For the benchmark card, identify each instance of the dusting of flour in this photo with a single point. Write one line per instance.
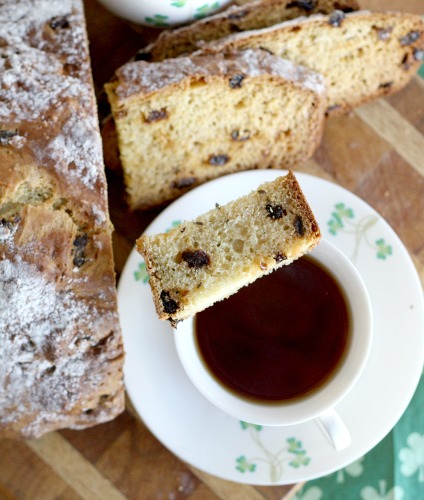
(59, 335)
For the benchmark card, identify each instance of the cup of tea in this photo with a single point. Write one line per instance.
(162, 13)
(287, 348)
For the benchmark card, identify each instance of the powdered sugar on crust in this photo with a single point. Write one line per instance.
(44, 71)
(46, 375)
(61, 348)
(141, 77)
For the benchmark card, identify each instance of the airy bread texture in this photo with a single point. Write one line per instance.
(61, 352)
(184, 121)
(207, 259)
(249, 16)
(362, 55)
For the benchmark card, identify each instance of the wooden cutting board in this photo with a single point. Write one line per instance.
(376, 151)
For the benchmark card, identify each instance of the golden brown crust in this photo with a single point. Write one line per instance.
(242, 17)
(61, 345)
(362, 55)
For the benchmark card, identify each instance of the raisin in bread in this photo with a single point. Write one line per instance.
(183, 121)
(207, 259)
(362, 55)
(255, 15)
(61, 350)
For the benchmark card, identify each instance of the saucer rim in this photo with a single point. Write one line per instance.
(344, 458)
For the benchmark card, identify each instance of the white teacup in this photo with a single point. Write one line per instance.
(162, 13)
(318, 404)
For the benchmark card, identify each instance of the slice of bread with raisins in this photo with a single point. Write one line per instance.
(183, 121)
(244, 16)
(362, 55)
(211, 257)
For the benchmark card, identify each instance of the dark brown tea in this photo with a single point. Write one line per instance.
(280, 337)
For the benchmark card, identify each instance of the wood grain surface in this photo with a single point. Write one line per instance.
(376, 151)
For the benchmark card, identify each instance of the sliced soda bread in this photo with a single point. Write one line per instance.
(362, 55)
(184, 121)
(207, 259)
(247, 16)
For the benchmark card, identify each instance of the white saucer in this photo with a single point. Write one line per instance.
(203, 436)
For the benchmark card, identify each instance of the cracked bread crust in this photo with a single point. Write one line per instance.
(208, 259)
(61, 348)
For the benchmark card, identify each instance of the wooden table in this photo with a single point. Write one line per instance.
(377, 152)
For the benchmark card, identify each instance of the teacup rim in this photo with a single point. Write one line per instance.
(323, 398)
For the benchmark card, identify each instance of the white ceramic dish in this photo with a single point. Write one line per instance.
(163, 13)
(197, 432)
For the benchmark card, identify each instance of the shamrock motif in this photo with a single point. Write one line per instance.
(246, 425)
(300, 458)
(354, 469)
(412, 457)
(244, 465)
(179, 3)
(157, 20)
(342, 221)
(291, 453)
(141, 273)
(383, 249)
(370, 493)
(338, 217)
(312, 493)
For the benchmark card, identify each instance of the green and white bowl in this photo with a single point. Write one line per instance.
(163, 13)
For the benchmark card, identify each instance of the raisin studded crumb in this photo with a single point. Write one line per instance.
(306, 5)
(298, 225)
(156, 115)
(236, 81)
(218, 160)
(6, 135)
(80, 243)
(240, 135)
(170, 306)
(196, 259)
(275, 211)
(59, 22)
(410, 38)
(336, 18)
(383, 34)
(183, 183)
(280, 257)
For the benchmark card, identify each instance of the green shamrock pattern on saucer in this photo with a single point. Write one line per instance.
(343, 220)
(291, 453)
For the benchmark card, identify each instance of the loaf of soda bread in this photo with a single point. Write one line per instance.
(207, 259)
(61, 354)
(183, 121)
(249, 16)
(362, 55)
